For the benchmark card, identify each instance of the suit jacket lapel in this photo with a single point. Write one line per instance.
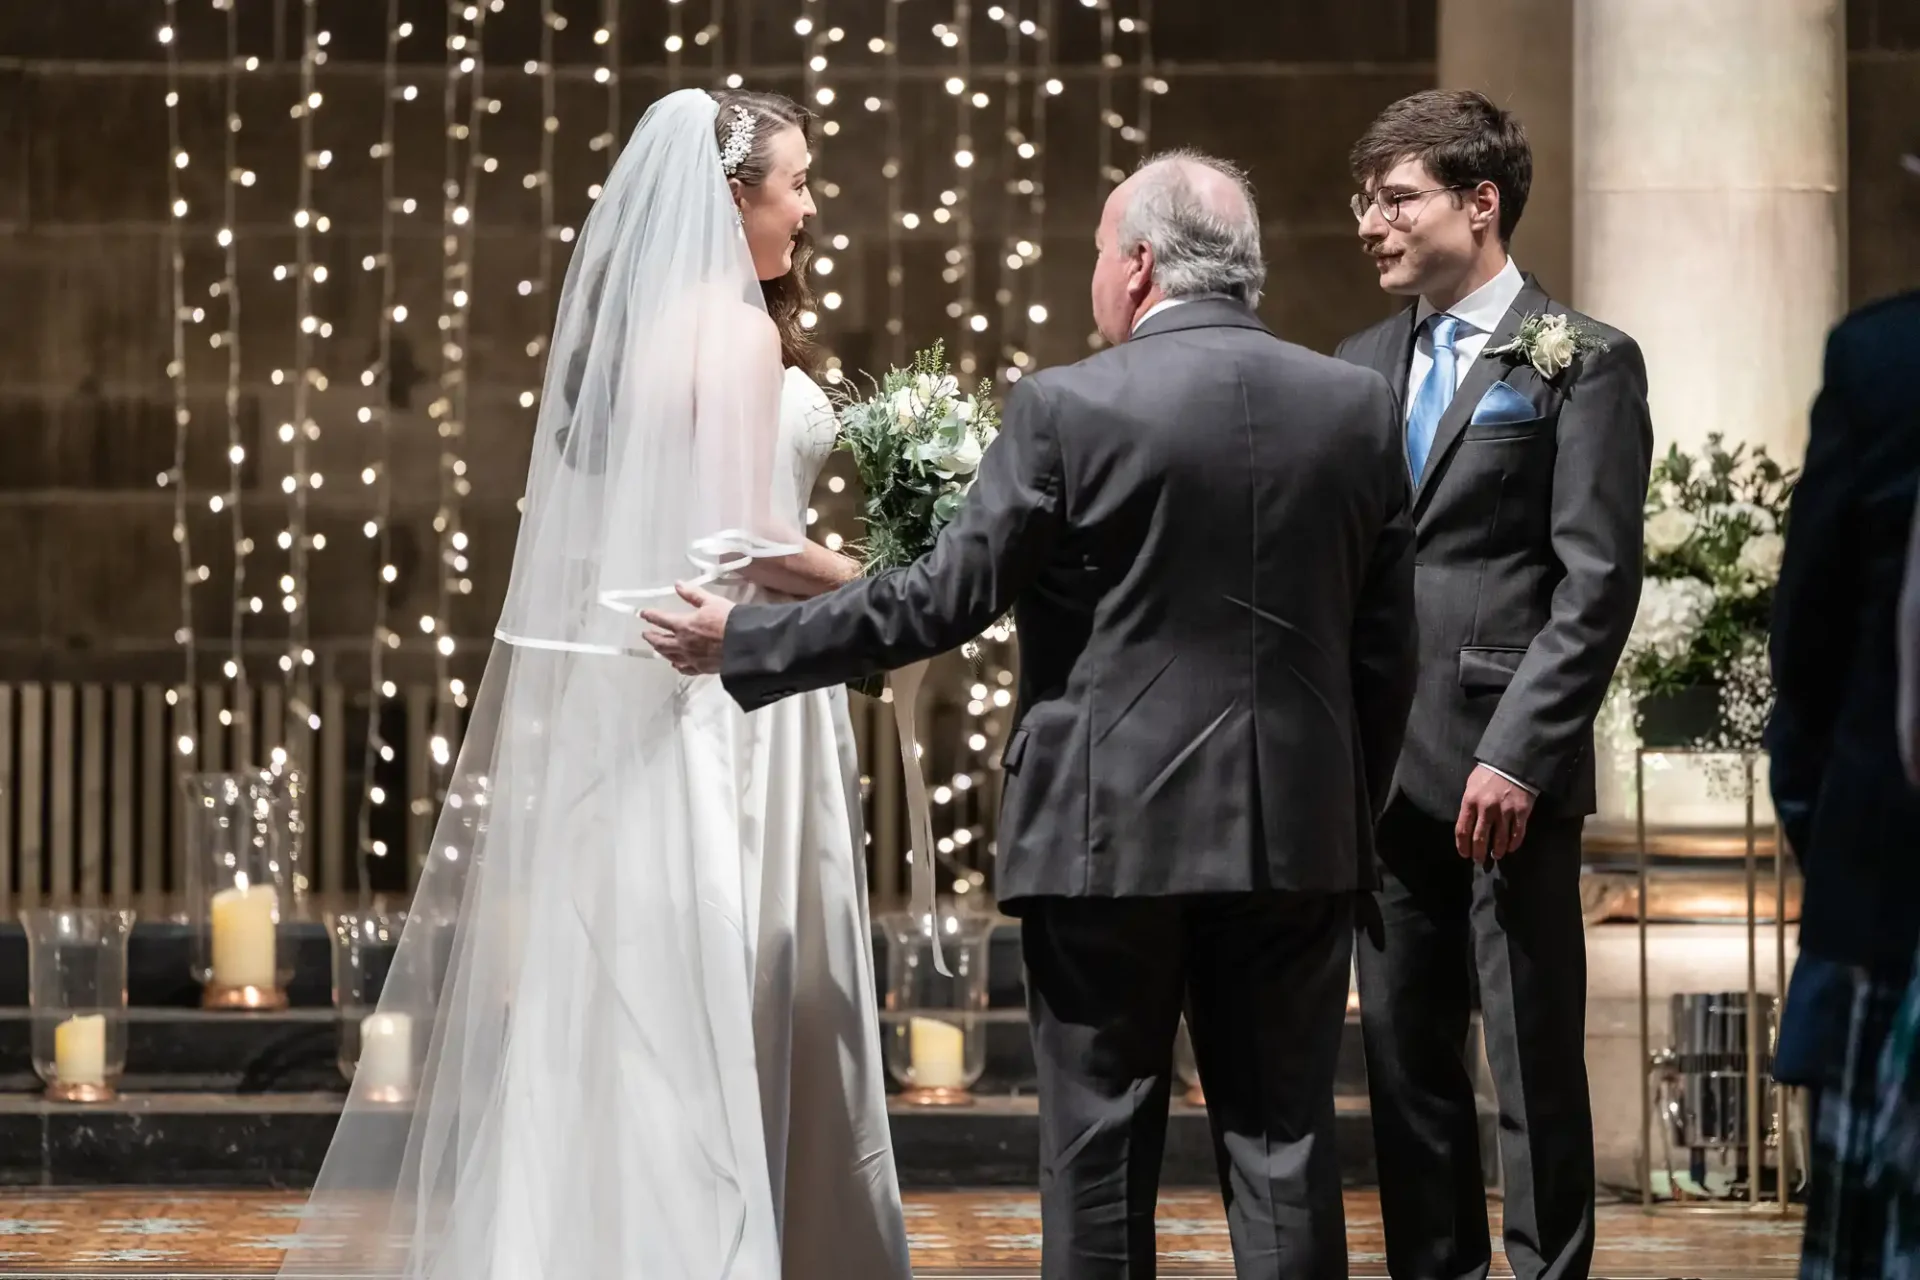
(1484, 373)
(1392, 356)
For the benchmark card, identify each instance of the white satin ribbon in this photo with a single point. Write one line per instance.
(923, 893)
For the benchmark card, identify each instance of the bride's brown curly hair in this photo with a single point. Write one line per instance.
(790, 295)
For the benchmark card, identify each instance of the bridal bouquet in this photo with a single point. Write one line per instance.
(1715, 531)
(916, 444)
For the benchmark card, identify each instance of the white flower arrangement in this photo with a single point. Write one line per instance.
(1715, 535)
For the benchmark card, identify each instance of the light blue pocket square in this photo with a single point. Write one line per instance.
(1501, 405)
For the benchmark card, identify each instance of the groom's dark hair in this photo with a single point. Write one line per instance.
(1462, 138)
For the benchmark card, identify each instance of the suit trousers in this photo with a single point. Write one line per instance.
(1263, 978)
(1437, 921)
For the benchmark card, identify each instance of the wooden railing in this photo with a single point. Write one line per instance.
(90, 790)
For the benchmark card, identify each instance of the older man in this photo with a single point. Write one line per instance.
(1203, 534)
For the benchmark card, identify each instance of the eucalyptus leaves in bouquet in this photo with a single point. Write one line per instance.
(1715, 534)
(916, 444)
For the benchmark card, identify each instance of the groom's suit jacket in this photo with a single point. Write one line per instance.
(1528, 565)
(1203, 536)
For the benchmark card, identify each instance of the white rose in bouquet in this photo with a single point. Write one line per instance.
(931, 391)
(905, 407)
(963, 458)
(1761, 556)
(1671, 610)
(1667, 531)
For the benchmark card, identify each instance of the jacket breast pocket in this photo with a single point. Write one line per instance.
(1522, 432)
(1488, 670)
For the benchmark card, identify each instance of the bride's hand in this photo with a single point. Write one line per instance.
(812, 571)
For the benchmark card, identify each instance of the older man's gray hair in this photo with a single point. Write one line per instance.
(1197, 214)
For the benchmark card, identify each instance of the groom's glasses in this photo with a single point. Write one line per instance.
(1389, 202)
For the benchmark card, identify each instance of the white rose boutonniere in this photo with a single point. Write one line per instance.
(1549, 343)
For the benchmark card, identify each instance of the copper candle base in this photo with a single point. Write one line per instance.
(390, 1096)
(1196, 1097)
(942, 1096)
(216, 996)
(58, 1092)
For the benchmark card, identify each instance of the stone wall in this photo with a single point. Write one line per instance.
(86, 410)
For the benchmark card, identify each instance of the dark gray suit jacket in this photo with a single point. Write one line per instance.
(1203, 535)
(1528, 565)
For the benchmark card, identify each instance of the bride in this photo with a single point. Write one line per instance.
(637, 970)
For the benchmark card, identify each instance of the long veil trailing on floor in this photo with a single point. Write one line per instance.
(574, 975)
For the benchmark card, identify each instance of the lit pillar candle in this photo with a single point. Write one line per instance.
(938, 1052)
(80, 1050)
(243, 937)
(386, 1053)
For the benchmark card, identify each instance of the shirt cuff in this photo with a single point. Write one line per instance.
(1510, 778)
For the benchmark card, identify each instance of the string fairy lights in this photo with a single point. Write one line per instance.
(540, 182)
(817, 39)
(1025, 198)
(239, 709)
(988, 243)
(181, 698)
(607, 37)
(302, 430)
(891, 170)
(957, 201)
(462, 114)
(378, 476)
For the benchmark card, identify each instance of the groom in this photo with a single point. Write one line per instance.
(1203, 534)
(1529, 478)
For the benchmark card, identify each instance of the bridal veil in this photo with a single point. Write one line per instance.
(572, 970)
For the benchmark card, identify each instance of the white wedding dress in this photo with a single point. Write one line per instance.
(634, 990)
(790, 991)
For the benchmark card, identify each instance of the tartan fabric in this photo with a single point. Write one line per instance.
(1857, 1230)
(1895, 1168)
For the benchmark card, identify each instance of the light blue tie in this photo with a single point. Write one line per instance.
(1435, 394)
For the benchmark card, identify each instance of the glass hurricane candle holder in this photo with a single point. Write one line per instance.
(379, 1051)
(77, 999)
(240, 888)
(935, 1026)
(294, 799)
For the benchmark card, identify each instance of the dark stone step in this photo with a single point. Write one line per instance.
(215, 1140)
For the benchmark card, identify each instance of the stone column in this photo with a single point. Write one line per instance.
(1520, 54)
(1709, 138)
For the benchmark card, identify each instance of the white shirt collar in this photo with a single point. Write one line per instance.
(1484, 308)
(1165, 304)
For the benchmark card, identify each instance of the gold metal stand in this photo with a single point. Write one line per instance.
(1782, 1109)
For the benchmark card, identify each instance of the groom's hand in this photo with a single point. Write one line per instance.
(691, 641)
(1493, 816)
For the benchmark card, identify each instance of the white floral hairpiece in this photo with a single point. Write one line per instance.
(739, 141)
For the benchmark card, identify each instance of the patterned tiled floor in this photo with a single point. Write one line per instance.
(954, 1234)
